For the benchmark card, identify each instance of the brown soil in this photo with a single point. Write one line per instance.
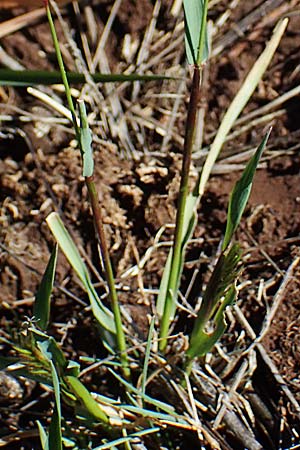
(137, 163)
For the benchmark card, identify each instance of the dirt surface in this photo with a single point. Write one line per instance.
(138, 135)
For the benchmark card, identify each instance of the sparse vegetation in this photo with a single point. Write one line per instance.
(153, 388)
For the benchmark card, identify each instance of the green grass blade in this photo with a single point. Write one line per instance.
(101, 313)
(157, 403)
(241, 192)
(84, 396)
(41, 309)
(23, 78)
(240, 100)
(43, 436)
(175, 418)
(63, 73)
(30, 374)
(147, 356)
(85, 142)
(125, 439)
(162, 294)
(55, 432)
(196, 42)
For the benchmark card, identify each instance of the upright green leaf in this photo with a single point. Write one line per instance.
(196, 42)
(41, 309)
(62, 69)
(43, 436)
(147, 356)
(240, 193)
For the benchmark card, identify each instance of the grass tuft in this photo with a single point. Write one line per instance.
(187, 396)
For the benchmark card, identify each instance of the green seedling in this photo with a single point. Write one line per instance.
(188, 202)
(39, 356)
(220, 291)
(127, 439)
(196, 41)
(84, 141)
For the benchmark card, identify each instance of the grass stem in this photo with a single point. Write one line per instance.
(62, 70)
(97, 216)
(183, 193)
(98, 222)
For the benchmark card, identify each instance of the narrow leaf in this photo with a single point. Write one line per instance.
(55, 433)
(41, 309)
(126, 439)
(63, 73)
(101, 313)
(84, 396)
(43, 436)
(169, 409)
(35, 375)
(241, 192)
(196, 42)
(240, 100)
(57, 356)
(85, 142)
(147, 356)
(10, 77)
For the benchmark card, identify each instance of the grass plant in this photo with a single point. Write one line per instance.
(188, 202)
(196, 45)
(40, 357)
(84, 140)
